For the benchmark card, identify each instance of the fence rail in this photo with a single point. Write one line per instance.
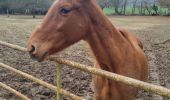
(118, 78)
(47, 85)
(14, 91)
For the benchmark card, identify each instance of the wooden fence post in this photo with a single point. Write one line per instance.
(59, 83)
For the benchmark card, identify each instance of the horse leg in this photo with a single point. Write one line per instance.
(101, 88)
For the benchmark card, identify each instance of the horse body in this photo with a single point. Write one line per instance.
(130, 61)
(116, 50)
(121, 54)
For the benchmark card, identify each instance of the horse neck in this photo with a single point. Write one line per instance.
(108, 47)
(107, 43)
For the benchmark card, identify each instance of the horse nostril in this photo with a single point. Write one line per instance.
(33, 49)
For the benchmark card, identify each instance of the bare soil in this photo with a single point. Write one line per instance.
(153, 31)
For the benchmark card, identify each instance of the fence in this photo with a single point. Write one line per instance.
(118, 78)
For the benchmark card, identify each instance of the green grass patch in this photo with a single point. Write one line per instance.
(109, 11)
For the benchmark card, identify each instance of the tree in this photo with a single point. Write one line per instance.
(148, 7)
(141, 7)
(103, 3)
(25, 6)
(117, 4)
(124, 6)
(134, 6)
(155, 8)
(165, 4)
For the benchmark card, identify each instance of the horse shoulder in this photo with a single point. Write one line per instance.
(131, 38)
(138, 46)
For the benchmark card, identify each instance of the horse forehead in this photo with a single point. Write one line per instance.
(57, 1)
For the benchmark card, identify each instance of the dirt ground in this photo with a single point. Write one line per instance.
(153, 31)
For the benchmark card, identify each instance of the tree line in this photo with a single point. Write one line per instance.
(27, 7)
(137, 7)
(118, 7)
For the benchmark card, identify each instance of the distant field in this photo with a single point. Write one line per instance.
(22, 26)
(17, 30)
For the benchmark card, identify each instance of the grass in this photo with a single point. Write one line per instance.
(15, 27)
(108, 11)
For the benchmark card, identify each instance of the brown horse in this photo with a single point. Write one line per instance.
(116, 50)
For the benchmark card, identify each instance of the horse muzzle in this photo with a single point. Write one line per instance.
(33, 51)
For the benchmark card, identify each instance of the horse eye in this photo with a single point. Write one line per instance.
(65, 10)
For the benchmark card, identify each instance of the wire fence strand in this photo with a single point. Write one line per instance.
(59, 96)
(52, 87)
(14, 91)
(16, 47)
(118, 78)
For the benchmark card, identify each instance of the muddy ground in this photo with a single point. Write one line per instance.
(153, 31)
